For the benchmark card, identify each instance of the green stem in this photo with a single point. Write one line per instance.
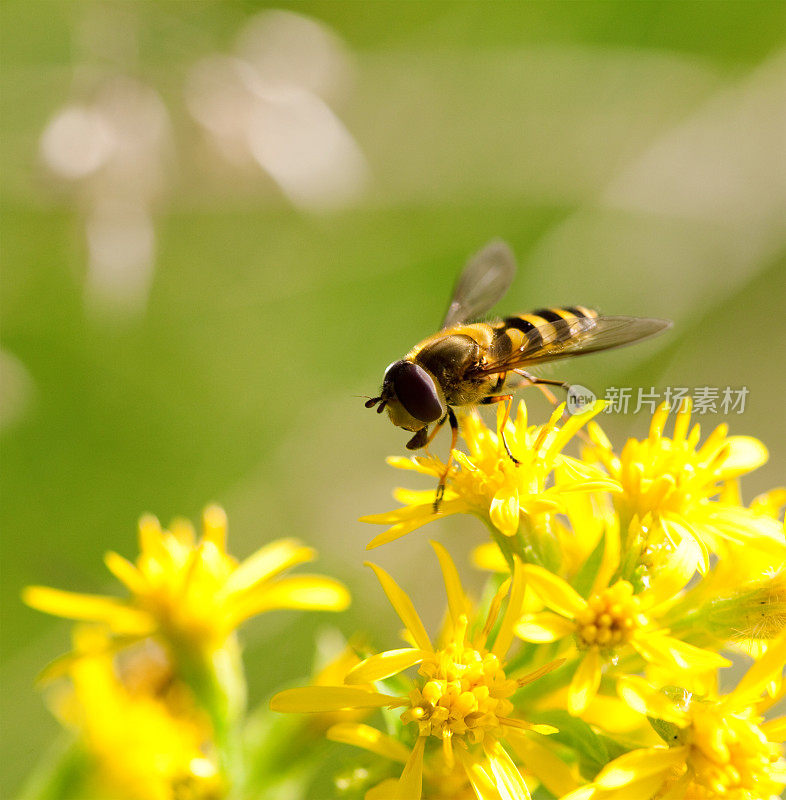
(217, 679)
(505, 546)
(517, 545)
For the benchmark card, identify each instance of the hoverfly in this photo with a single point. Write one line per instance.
(478, 363)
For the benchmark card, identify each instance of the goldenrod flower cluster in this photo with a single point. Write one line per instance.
(630, 643)
(154, 685)
(623, 586)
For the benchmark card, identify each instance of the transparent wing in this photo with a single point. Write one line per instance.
(582, 337)
(485, 279)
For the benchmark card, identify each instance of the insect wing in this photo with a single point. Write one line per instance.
(583, 336)
(485, 279)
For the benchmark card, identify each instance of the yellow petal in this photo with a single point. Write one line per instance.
(768, 668)
(610, 561)
(404, 608)
(96, 608)
(556, 593)
(510, 784)
(479, 778)
(543, 627)
(639, 764)
(585, 683)
(360, 735)
(748, 529)
(150, 537)
(126, 573)
(770, 503)
(547, 767)
(383, 665)
(463, 460)
(504, 510)
(677, 530)
(678, 789)
(658, 647)
(403, 514)
(572, 425)
(774, 729)
(65, 664)
(745, 454)
(312, 592)
(582, 793)
(214, 527)
(494, 607)
(410, 784)
(457, 599)
(512, 613)
(386, 790)
(488, 556)
(570, 470)
(268, 561)
(641, 697)
(424, 515)
(540, 672)
(600, 485)
(541, 504)
(183, 531)
(658, 423)
(414, 464)
(317, 699)
(542, 728)
(673, 575)
(414, 497)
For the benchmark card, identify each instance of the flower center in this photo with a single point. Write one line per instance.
(610, 617)
(465, 694)
(730, 757)
(659, 475)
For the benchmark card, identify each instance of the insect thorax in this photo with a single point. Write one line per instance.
(448, 358)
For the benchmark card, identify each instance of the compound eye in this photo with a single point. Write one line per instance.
(415, 390)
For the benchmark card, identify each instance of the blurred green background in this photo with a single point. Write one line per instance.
(222, 220)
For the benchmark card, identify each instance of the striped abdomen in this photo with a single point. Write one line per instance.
(540, 330)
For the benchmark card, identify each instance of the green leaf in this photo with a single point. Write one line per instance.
(585, 577)
(590, 748)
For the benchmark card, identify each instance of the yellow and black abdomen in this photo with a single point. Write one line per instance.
(539, 330)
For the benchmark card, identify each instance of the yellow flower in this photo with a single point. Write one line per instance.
(441, 780)
(611, 622)
(145, 735)
(331, 674)
(462, 697)
(193, 593)
(485, 481)
(671, 488)
(716, 747)
(771, 503)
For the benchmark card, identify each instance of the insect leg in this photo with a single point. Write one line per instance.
(508, 400)
(539, 382)
(444, 477)
(437, 427)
